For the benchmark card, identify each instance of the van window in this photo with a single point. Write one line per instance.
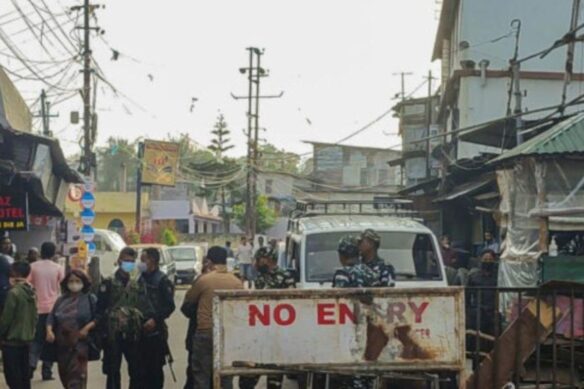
(183, 254)
(412, 255)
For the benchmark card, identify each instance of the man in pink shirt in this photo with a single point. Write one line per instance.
(45, 277)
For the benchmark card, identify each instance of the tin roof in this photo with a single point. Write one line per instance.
(566, 137)
(326, 223)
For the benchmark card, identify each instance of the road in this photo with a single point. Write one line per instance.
(177, 327)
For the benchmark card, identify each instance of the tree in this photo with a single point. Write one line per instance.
(266, 216)
(116, 165)
(220, 145)
(273, 159)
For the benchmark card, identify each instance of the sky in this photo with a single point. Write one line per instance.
(334, 60)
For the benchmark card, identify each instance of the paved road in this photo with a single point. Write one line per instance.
(177, 328)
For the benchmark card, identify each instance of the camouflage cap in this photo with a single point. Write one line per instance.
(371, 235)
(349, 246)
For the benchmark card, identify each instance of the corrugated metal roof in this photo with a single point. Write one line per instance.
(566, 137)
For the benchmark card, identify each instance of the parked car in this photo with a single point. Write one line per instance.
(188, 262)
(167, 263)
(108, 245)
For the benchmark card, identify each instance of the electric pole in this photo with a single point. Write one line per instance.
(255, 73)
(428, 125)
(403, 82)
(87, 159)
(45, 114)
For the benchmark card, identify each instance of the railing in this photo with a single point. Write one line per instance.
(526, 337)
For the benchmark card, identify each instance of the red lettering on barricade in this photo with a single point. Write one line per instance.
(256, 314)
(325, 314)
(346, 313)
(278, 314)
(396, 311)
(418, 311)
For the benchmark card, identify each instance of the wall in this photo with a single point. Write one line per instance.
(282, 185)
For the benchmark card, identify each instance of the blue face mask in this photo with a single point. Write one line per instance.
(128, 266)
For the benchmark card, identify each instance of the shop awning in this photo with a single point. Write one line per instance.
(467, 188)
(14, 112)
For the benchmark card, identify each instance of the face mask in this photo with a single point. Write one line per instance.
(75, 287)
(142, 267)
(128, 266)
(263, 269)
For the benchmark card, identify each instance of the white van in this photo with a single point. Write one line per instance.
(412, 249)
(108, 246)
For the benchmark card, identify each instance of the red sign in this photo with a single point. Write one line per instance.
(13, 211)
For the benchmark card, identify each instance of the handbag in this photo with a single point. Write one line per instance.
(93, 338)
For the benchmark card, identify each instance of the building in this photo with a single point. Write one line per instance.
(186, 216)
(475, 41)
(342, 172)
(114, 211)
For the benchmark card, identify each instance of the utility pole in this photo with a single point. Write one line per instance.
(255, 74)
(45, 114)
(403, 82)
(87, 159)
(428, 125)
(570, 53)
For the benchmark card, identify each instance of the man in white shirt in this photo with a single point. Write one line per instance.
(244, 257)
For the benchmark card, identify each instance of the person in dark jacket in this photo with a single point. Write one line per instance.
(5, 249)
(68, 326)
(17, 328)
(158, 305)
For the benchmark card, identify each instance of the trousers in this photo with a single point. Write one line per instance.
(202, 363)
(16, 366)
(113, 353)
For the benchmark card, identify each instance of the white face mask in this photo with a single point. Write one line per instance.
(142, 267)
(75, 287)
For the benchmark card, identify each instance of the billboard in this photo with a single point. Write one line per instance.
(160, 163)
(385, 329)
(13, 210)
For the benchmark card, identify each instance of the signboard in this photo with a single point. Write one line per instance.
(160, 163)
(13, 211)
(388, 329)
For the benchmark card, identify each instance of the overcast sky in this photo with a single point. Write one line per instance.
(333, 59)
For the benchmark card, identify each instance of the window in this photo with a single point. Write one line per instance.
(269, 184)
(182, 226)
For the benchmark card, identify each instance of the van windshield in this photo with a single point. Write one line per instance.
(183, 254)
(412, 255)
(115, 239)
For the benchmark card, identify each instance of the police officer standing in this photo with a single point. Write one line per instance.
(369, 249)
(120, 321)
(270, 277)
(158, 305)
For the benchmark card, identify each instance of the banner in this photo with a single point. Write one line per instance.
(13, 210)
(160, 162)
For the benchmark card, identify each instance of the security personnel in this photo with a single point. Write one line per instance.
(369, 248)
(157, 304)
(120, 321)
(270, 277)
(353, 274)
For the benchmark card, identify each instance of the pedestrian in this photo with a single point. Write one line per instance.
(69, 328)
(7, 249)
(489, 243)
(32, 255)
(157, 306)
(190, 311)
(369, 249)
(353, 274)
(270, 276)
(46, 277)
(201, 294)
(17, 328)
(449, 255)
(5, 270)
(244, 258)
(230, 253)
(120, 321)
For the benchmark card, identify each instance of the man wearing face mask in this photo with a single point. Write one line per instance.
(157, 305)
(120, 321)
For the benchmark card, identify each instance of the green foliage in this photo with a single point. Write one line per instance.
(266, 216)
(273, 159)
(220, 142)
(113, 159)
(169, 237)
(132, 237)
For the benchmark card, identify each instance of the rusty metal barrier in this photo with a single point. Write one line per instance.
(525, 337)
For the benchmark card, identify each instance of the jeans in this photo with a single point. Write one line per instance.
(202, 362)
(112, 363)
(36, 348)
(16, 366)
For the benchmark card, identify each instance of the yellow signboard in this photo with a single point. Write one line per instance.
(160, 163)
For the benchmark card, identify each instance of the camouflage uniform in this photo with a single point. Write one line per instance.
(385, 271)
(353, 275)
(274, 279)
